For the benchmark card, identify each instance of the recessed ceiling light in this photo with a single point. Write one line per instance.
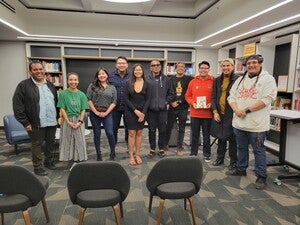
(127, 1)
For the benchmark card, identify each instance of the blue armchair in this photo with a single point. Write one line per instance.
(14, 131)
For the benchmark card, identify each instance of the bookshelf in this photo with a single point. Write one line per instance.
(282, 59)
(185, 56)
(50, 57)
(59, 59)
(296, 94)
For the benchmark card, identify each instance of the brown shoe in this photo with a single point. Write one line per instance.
(151, 154)
(166, 148)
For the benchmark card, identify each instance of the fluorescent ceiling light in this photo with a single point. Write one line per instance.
(110, 41)
(245, 20)
(258, 29)
(127, 1)
(150, 42)
(13, 27)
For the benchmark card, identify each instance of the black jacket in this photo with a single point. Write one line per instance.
(223, 129)
(26, 102)
(159, 86)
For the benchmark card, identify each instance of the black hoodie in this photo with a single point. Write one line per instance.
(160, 92)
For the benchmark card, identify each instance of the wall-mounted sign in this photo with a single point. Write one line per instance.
(249, 49)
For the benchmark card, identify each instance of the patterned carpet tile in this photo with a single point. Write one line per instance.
(221, 200)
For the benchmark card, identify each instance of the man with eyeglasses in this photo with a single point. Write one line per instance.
(158, 108)
(198, 95)
(118, 78)
(250, 99)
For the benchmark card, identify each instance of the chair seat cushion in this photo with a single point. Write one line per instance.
(176, 190)
(98, 198)
(19, 136)
(13, 203)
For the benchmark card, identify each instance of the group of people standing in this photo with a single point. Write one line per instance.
(232, 108)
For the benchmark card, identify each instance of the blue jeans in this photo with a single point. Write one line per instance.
(256, 140)
(108, 127)
(196, 123)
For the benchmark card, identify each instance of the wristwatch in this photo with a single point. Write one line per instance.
(247, 110)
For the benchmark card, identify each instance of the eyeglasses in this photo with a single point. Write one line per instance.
(153, 65)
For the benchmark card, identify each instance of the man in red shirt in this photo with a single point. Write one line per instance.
(198, 95)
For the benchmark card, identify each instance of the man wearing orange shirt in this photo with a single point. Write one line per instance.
(198, 95)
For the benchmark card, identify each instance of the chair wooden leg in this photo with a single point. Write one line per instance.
(26, 217)
(116, 212)
(16, 149)
(150, 202)
(121, 209)
(160, 209)
(2, 218)
(191, 201)
(81, 215)
(185, 204)
(45, 210)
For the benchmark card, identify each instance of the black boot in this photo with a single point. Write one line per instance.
(99, 157)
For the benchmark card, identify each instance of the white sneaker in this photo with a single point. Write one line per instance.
(207, 159)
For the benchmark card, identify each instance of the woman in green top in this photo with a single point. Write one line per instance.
(72, 103)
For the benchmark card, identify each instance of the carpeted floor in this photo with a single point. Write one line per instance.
(222, 199)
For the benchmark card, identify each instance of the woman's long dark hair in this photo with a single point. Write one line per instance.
(132, 80)
(96, 84)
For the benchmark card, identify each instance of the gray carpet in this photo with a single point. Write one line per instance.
(221, 200)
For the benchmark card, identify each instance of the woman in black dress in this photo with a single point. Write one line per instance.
(137, 99)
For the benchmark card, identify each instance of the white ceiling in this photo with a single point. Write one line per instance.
(157, 22)
(161, 8)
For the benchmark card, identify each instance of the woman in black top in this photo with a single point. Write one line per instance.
(137, 97)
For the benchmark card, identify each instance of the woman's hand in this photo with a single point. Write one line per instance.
(140, 115)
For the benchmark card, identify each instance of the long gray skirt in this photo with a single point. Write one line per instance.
(72, 145)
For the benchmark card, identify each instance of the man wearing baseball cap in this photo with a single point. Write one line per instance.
(250, 99)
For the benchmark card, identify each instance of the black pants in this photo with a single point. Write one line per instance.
(196, 123)
(222, 145)
(181, 116)
(37, 137)
(117, 115)
(157, 120)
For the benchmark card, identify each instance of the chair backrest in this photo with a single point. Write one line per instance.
(11, 124)
(98, 175)
(175, 169)
(18, 180)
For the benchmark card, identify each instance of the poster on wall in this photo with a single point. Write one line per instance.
(249, 49)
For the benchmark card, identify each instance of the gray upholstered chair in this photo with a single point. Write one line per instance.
(175, 178)
(14, 131)
(20, 189)
(97, 185)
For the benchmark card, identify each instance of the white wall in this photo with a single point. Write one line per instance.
(12, 70)
(209, 55)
